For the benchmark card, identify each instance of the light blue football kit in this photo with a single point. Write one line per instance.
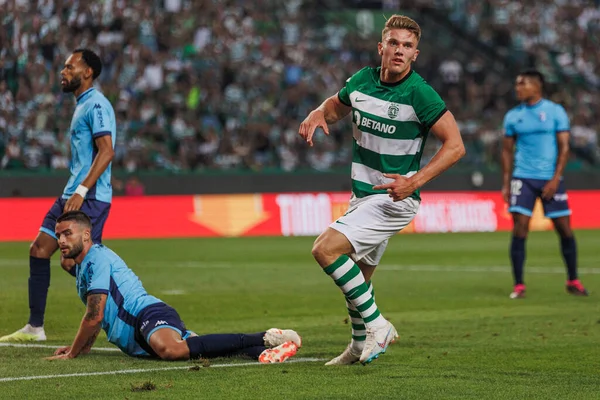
(93, 117)
(535, 129)
(131, 315)
(102, 271)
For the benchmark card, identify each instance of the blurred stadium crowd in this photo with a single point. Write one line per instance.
(215, 84)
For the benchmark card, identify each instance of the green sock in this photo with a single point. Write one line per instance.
(359, 333)
(349, 278)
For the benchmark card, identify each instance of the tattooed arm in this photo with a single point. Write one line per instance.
(88, 330)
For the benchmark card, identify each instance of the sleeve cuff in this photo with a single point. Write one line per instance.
(100, 134)
(98, 291)
(342, 101)
(436, 119)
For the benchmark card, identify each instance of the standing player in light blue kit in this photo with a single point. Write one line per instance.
(138, 323)
(536, 143)
(93, 135)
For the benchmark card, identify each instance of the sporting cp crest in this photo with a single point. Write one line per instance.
(393, 110)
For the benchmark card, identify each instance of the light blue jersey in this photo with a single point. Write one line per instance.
(93, 117)
(535, 128)
(103, 271)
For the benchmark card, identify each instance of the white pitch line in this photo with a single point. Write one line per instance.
(173, 292)
(47, 346)
(382, 267)
(467, 268)
(142, 370)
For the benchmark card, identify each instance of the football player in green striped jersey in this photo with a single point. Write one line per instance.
(393, 109)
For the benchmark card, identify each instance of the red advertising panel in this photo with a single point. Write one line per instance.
(284, 214)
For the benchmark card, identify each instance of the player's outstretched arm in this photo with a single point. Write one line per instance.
(508, 155)
(329, 112)
(88, 330)
(101, 162)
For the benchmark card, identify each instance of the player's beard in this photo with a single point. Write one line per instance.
(72, 85)
(75, 250)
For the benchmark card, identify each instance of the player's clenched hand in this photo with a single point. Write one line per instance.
(506, 192)
(67, 356)
(314, 120)
(62, 350)
(550, 189)
(62, 353)
(74, 203)
(399, 189)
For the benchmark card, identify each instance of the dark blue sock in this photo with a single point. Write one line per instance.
(251, 352)
(517, 257)
(225, 345)
(569, 252)
(39, 282)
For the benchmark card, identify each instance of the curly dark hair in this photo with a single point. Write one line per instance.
(92, 60)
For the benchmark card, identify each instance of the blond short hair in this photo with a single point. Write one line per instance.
(402, 22)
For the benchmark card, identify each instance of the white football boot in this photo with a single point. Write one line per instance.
(26, 334)
(350, 356)
(377, 342)
(275, 337)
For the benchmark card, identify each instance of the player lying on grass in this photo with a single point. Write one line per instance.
(138, 323)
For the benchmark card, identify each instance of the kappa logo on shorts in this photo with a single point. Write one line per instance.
(561, 197)
(160, 322)
(145, 324)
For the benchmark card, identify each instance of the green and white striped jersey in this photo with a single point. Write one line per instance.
(390, 123)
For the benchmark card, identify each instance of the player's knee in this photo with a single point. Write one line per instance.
(67, 264)
(171, 353)
(38, 251)
(521, 229)
(321, 251)
(161, 350)
(563, 230)
(520, 232)
(329, 246)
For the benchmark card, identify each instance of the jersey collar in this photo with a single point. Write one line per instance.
(394, 83)
(539, 102)
(80, 98)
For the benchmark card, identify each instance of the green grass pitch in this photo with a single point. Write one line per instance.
(461, 336)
